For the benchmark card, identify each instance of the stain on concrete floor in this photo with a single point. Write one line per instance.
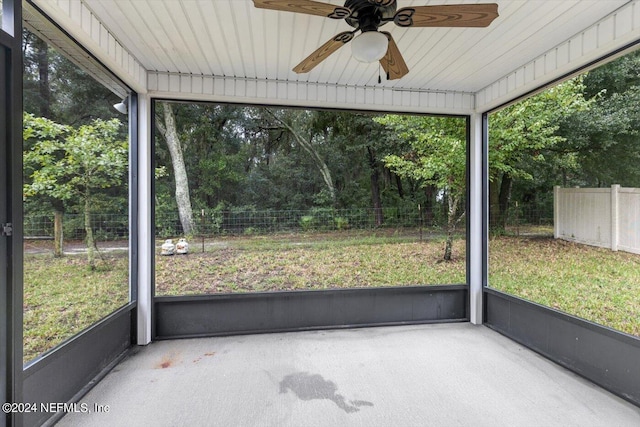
(314, 387)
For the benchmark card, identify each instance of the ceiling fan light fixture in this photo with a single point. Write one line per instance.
(369, 46)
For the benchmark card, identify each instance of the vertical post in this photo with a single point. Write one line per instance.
(145, 221)
(615, 216)
(11, 217)
(475, 232)
(556, 212)
(133, 196)
(6, 341)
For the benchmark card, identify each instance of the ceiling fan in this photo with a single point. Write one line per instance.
(367, 16)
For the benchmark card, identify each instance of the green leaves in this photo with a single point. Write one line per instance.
(520, 135)
(64, 163)
(433, 152)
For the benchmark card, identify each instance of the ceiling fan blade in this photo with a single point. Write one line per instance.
(393, 62)
(305, 6)
(323, 52)
(451, 15)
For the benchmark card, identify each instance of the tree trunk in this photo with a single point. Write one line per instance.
(494, 206)
(499, 197)
(503, 199)
(399, 186)
(317, 160)
(90, 240)
(375, 187)
(170, 134)
(452, 221)
(58, 242)
(42, 53)
(44, 92)
(429, 204)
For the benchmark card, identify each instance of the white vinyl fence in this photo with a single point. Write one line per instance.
(605, 217)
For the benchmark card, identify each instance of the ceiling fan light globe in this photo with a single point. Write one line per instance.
(369, 46)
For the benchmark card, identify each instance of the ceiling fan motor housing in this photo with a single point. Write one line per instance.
(368, 16)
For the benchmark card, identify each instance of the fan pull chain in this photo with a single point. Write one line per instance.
(388, 67)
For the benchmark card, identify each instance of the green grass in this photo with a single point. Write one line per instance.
(593, 283)
(257, 266)
(63, 297)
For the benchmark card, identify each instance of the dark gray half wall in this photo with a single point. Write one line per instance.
(180, 317)
(68, 371)
(609, 358)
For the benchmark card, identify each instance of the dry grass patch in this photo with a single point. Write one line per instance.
(240, 267)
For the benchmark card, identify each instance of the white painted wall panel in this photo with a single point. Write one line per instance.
(606, 31)
(196, 84)
(225, 89)
(584, 216)
(550, 61)
(65, 5)
(629, 222)
(233, 39)
(587, 215)
(47, 31)
(619, 29)
(562, 55)
(174, 83)
(623, 24)
(78, 20)
(575, 48)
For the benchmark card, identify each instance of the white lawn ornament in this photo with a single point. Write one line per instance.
(168, 248)
(182, 247)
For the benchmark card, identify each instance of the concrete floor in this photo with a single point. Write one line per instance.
(427, 375)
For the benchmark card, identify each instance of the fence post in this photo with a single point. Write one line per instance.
(556, 212)
(615, 216)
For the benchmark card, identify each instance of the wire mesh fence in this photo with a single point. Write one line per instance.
(524, 219)
(231, 222)
(519, 217)
(105, 226)
(249, 222)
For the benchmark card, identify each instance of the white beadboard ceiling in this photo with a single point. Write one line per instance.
(232, 39)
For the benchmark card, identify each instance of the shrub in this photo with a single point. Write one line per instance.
(341, 223)
(307, 222)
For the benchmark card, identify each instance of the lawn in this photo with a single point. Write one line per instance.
(330, 261)
(593, 283)
(62, 296)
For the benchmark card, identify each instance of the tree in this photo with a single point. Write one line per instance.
(74, 164)
(57, 89)
(358, 144)
(297, 125)
(169, 131)
(42, 137)
(214, 154)
(436, 156)
(604, 138)
(524, 136)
